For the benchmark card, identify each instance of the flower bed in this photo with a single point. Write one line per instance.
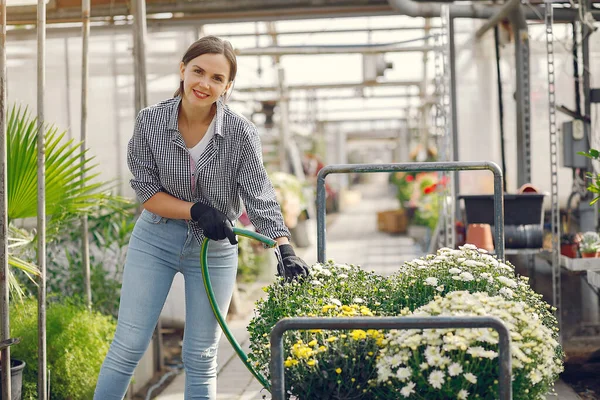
(432, 364)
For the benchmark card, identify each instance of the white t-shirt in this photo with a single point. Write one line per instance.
(198, 149)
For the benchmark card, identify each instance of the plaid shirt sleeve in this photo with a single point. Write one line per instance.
(257, 191)
(146, 180)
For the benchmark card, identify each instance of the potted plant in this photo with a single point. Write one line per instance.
(16, 371)
(589, 244)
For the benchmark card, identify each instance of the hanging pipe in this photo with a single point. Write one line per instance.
(215, 307)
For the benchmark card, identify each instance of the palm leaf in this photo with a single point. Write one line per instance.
(69, 186)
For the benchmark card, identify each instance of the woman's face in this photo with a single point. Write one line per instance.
(205, 78)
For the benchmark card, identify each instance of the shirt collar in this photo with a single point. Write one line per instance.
(173, 122)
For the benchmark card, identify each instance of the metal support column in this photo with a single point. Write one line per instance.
(85, 248)
(4, 296)
(453, 112)
(445, 135)
(521, 36)
(555, 222)
(42, 388)
(139, 54)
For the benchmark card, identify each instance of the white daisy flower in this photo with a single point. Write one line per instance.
(436, 379)
(470, 377)
(408, 389)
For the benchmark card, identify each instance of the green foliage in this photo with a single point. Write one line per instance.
(69, 190)
(110, 228)
(594, 186)
(77, 340)
(250, 259)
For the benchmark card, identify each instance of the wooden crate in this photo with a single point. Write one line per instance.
(392, 221)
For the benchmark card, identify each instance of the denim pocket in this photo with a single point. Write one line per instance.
(152, 218)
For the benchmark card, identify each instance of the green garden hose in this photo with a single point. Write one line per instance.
(213, 302)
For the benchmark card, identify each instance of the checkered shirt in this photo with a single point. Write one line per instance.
(229, 170)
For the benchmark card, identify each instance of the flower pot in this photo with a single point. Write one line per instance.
(569, 250)
(480, 235)
(589, 254)
(16, 379)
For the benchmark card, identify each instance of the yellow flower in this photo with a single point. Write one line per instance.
(265, 289)
(290, 362)
(313, 343)
(328, 307)
(311, 362)
(338, 370)
(331, 339)
(358, 334)
(315, 330)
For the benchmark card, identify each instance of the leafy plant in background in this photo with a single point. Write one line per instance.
(70, 193)
(110, 227)
(77, 339)
(405, 185)
(594, 186)
(290, 196)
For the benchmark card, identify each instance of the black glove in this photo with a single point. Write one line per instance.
(291, 266)
(214, 223)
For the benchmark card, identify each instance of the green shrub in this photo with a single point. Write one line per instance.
(77, 342)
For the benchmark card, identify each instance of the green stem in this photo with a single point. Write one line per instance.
(215, 307)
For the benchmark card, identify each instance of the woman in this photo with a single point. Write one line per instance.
(192, 159)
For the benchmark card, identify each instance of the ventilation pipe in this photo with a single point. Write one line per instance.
(432, 10)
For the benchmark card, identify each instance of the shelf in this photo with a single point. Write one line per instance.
(574, 264)
(593, 278)
(512, 252)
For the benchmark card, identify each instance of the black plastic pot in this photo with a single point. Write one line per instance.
(16, 379)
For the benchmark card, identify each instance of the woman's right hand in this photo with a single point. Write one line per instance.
(214, 223)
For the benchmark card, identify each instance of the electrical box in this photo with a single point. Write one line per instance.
(374, 66)
(575, 138)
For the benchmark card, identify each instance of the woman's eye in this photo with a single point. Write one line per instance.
(218, 79)
(198, 71)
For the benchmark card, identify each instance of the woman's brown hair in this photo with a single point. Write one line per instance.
(209, 45)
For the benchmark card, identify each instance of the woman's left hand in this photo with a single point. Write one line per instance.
(293, 266)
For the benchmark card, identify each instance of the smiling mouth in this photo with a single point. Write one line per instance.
(200, 95)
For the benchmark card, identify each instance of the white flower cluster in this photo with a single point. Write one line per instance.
(452, 358)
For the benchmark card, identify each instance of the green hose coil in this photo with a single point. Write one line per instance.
(213, 302)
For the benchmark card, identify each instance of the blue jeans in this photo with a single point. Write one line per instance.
(158, 249)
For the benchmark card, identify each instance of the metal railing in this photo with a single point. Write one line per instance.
(412, 167)
(305, 323)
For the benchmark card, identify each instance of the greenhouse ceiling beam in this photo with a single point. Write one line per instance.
(333, 98)
(161, 25)
(481, 11)
(198, 12)
(314, 50)
(357, 85)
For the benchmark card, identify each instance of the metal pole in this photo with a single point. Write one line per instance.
(4, 296)
(85, 247)
(453, 110)
(41, 203)
(68, 84)
(139, 54)
(305, 323)
(553, 134)
(412, 167)
(523, 112)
